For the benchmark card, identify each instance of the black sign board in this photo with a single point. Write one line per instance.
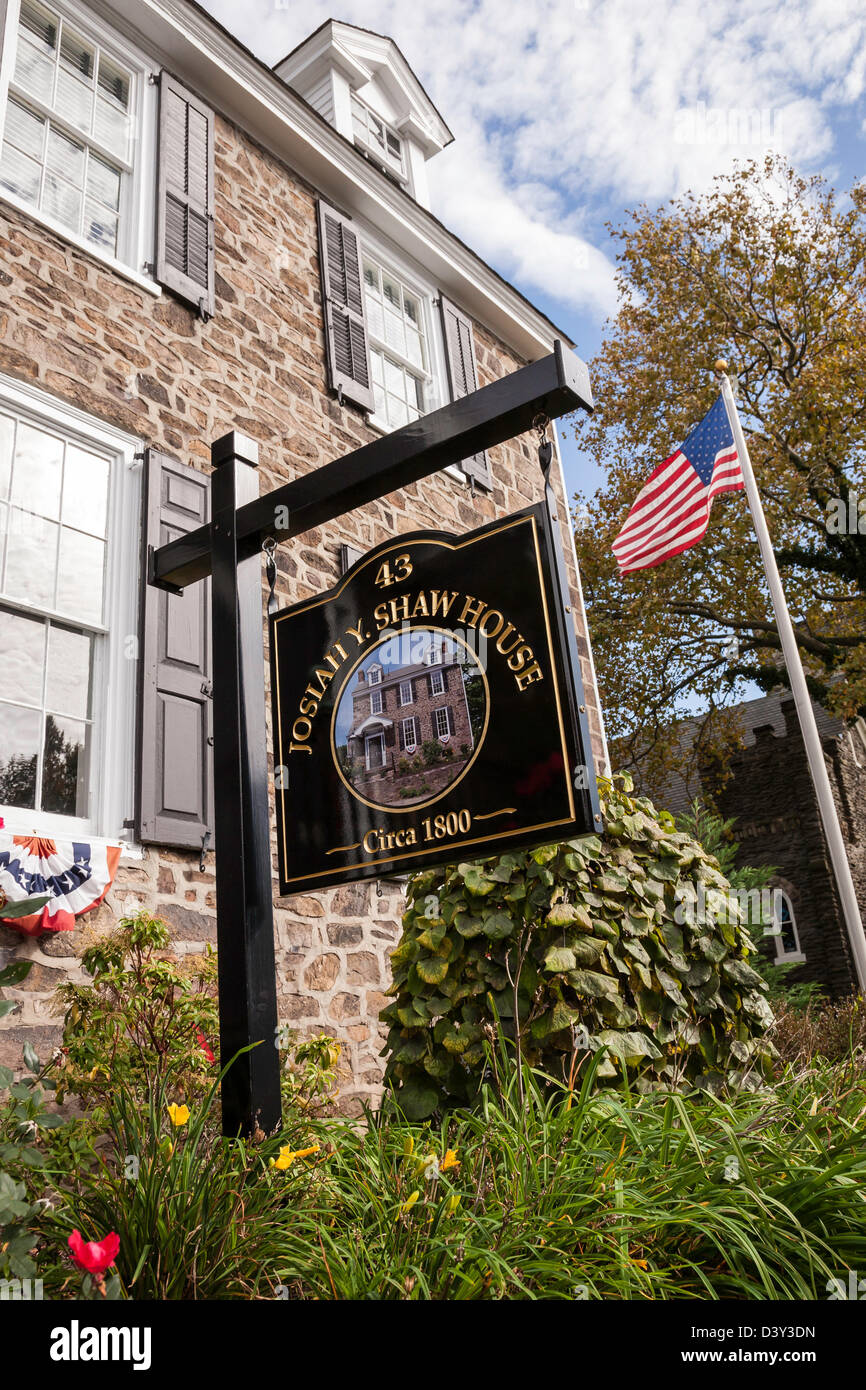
(428, 709)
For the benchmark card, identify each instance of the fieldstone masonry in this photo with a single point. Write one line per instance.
(146, 364)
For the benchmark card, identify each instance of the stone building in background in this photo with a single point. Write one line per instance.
(770, 795)
(192, 242)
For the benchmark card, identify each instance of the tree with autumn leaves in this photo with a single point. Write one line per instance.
(767, 270)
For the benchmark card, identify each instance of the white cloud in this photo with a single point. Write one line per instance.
(565, 111)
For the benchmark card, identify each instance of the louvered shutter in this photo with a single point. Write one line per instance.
(462, 376)
(185, 196)
(343, 304)
(175, 759)
(450, 713)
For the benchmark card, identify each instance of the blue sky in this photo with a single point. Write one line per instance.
(568, 112)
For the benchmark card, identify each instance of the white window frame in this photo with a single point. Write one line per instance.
(389, 257)
(112, 755)
(406, 685)
(784, 957)
(369, 147)
(136, 246)
(410, 745)
(376, 696)
(374, 675)
(437, 683)
(443, 709)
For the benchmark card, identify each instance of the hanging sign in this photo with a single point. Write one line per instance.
(429, 709)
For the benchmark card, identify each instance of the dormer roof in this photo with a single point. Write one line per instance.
(363, 56)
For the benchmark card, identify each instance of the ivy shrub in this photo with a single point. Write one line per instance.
(631, 945)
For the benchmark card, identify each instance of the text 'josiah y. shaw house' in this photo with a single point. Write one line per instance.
(190, 243)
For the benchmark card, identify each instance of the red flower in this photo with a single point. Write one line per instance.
(203, 1044)
(94, 1256)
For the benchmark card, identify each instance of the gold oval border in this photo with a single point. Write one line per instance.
(418, 805)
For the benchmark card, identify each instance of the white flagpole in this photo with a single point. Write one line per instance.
(802, 700)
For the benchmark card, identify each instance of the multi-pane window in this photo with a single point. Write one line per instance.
(54, 497)
(437, 683)
(376, 702)
(376, 136)
(399, 357)
(442, 723)
(787, 938)
(374, 675)
(410, 736)
(67, 139)
(405, 692)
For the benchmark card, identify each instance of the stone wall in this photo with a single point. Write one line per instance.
(771, 795)
(149, 366)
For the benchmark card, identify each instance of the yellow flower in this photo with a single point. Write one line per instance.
(409, 1202)
(178, 1114)
(449, 1161)
(408, 1146)
(288, 1155)
(453, 1203)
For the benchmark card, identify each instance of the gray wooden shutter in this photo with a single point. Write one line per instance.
(462, 376)
(185, 196)
(343, 305)
(175, 759)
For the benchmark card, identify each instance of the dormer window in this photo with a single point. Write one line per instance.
(377, 138)
(374, 675)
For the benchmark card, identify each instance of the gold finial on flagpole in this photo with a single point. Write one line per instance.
(720, 365)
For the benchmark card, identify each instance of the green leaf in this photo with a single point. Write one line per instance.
(630, 1046)
(24, 908)
(416, 1099)
(498, 925)
(31, 1060)
(593, 984)
(559, 958)
(432, 970)
(16, 972)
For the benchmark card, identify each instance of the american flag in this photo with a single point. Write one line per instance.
(672, 510)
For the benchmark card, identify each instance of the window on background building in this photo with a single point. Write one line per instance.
(442, 722)
(405, 692)
(61, 596)
(787, 936)
(376, 702)
(72, 131)
(374, 675)
(376, 136)
(437, 683)
(410, 736)
(397, 340)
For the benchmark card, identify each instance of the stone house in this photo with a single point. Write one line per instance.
(397, 709)
(192, 242)
(770, 795)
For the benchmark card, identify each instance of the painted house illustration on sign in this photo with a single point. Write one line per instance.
(192, 243)
(411, 732)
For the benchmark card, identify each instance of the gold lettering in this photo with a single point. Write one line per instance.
(490, 631)
(501, 648)
(420, 609)
(441, 602)
(520, 658)
(357, 633)
(472, 610)
(308, 707)
(373, 837)
(529, 676)
(380, 613)
(402, 604)
(300, 748)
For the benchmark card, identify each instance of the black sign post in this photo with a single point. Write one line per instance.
(229, 549)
